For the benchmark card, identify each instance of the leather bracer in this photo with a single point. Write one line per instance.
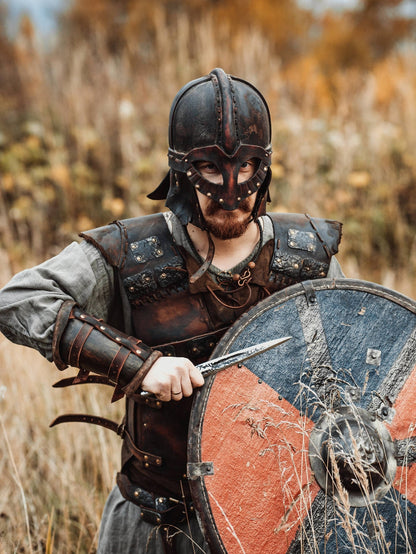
(83, 341)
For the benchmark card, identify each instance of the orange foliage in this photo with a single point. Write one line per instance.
(87, 140)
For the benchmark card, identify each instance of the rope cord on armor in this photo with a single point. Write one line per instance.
(236, 305)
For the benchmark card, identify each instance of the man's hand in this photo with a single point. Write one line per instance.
(172, 378)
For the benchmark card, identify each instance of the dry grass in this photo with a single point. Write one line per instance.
(54, 481)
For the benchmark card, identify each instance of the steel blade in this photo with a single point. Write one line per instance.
(218, 364)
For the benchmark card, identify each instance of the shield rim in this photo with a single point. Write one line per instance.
(196, 480)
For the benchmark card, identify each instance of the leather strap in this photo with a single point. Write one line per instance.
(69, 381)
(78, 345)
(117, 364)
(145, 457)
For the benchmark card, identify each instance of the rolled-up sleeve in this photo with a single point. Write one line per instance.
(30, 302)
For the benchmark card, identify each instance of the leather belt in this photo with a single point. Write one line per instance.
(157, 510)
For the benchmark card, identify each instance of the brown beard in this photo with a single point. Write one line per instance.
(231, 225)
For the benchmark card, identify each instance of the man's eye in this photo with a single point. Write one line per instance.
(249, 164)
(208, 167)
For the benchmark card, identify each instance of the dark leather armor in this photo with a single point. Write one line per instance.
(180, 318)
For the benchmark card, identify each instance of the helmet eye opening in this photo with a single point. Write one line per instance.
(209, 171)
(217, 175)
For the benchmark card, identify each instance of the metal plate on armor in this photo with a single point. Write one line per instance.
(157, 281)
(146, 249)
(312, 445)
(298, 267)
(302, 240)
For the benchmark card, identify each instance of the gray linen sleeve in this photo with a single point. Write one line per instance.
(30, 302)
(335, 271)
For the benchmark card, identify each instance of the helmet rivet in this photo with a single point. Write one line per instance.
(238, 198)
(189, 173)
(249, 191)
(209, 194)
(221, 200)
(257, 184)
(197, 186)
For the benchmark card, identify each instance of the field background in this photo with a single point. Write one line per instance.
(83, 125)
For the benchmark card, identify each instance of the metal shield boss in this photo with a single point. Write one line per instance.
(311, 447)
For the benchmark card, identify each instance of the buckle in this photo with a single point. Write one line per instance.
(150, 516)
(172, 516)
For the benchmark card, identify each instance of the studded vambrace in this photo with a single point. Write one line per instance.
(83, 341)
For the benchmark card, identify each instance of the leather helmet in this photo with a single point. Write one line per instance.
(223, 120)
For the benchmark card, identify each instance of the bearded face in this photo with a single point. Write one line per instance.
(224, 224)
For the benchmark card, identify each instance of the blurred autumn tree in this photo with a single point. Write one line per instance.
(361, 37)
(84, 120)
(11, 92)
(356, 37)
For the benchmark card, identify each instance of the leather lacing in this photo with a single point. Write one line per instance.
(231, 306)
(242, 280)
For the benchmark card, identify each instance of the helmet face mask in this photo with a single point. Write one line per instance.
(223, 121)
(231, 191)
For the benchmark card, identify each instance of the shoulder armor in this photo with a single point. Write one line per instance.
(144, 252)
(113, 240)
(304, 245)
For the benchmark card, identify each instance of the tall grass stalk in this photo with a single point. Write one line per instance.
(18, 483)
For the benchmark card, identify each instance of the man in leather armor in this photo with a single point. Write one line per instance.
(141, 301)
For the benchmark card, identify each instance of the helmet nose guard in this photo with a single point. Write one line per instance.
(224, 120)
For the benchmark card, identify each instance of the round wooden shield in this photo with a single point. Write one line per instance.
(310, 447)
